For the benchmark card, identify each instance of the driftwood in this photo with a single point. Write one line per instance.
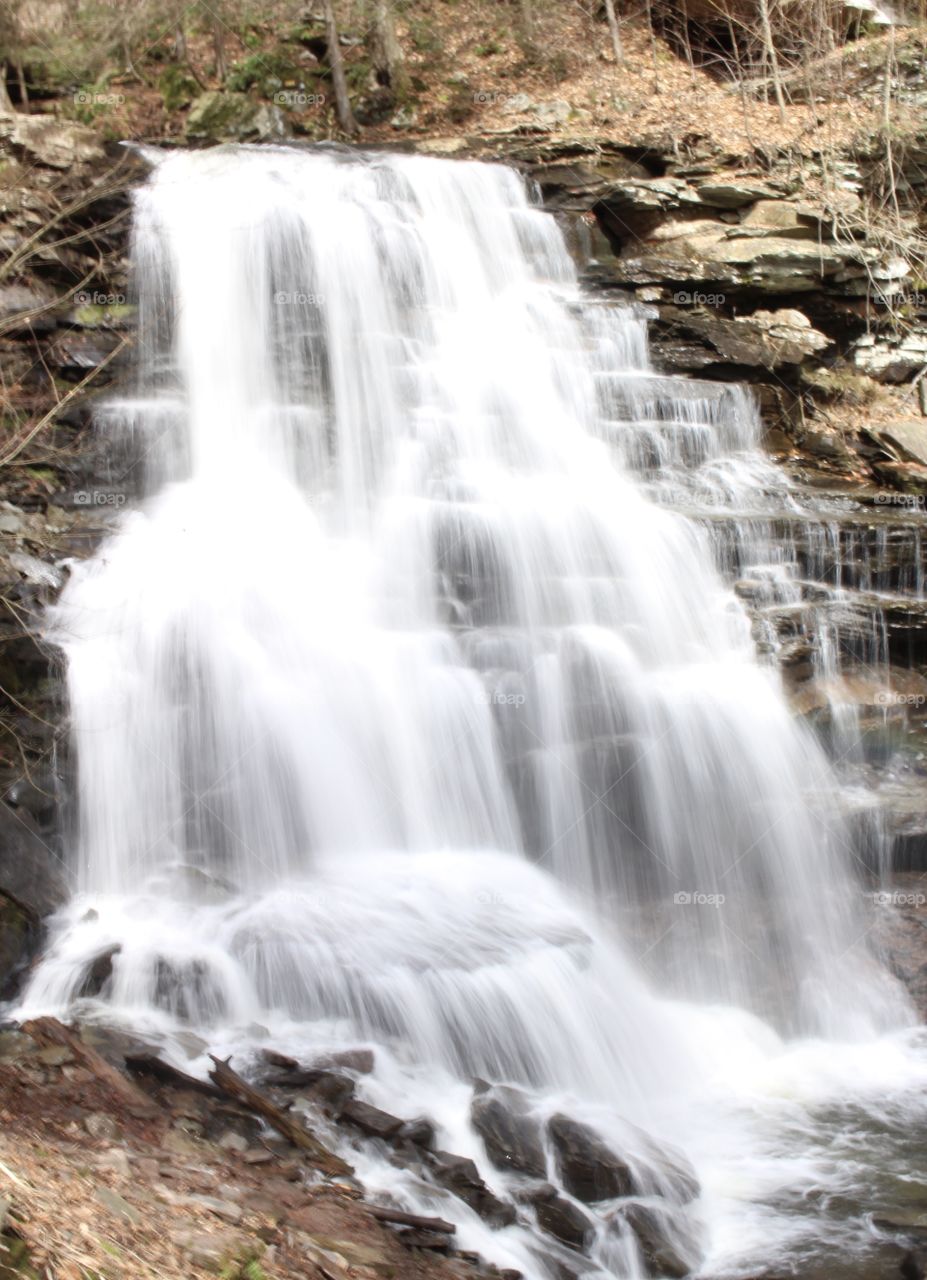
(231, 1083)
(401, 1219)
(50, 1031)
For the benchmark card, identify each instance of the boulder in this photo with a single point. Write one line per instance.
(50, 141)
(30, 873)
(501, 1116)
(666, 1245)
(371, 1120)
(765, 339)
(559, 1217)
(907, 438)
(589, 1169)
(734, 194)
(219, 115)
(460, 1176)
(890, 359)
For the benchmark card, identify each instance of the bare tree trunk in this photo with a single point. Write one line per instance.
(769, 47)
(6, 102)
(887, 123)
(340, 85)
(614, 31)
(387, 55)
(218, 47)
(23, 87)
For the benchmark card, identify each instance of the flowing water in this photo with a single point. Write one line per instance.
(407, 712)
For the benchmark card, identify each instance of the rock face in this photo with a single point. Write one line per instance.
(512, 1136)
(49, 140)
(561, 1218)
(31, 887)
(666, 1246)
(588, 1168)
(220, 116)
(461, 1176)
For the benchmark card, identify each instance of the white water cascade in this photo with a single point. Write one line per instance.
(404, 716)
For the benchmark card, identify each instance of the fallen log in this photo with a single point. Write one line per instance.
(384, 1214)
(49, 1031)
(231, 1083)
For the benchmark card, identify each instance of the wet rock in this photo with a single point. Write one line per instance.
(913, 1265)
(501, 1116)
(419, 1132)
(360, 1060)
(31, 887)
(461, 1176)
(655, 1231)
(559, 1217)
(331, 1092)
(913, 1223)
(371, 1120)
(219, 115)
(99, 972)
(589, 1169)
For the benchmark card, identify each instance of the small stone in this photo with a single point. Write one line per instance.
(232, 1141)
(209, 1250)
(114, 1161)
(100, 1125)
(114, 1203)
(55, 1055)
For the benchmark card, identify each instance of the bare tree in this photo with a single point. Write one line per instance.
(614, 30)
(346, 119)
(386, 51)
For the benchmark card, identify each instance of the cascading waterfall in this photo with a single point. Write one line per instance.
(404, 714)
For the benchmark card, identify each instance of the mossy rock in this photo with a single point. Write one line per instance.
(178, 89)
(219, 116)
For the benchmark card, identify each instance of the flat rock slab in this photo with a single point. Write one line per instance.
(908, 437)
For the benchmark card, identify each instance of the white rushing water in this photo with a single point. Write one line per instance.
(403, 715)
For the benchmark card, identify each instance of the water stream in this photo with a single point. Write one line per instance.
(411, 709)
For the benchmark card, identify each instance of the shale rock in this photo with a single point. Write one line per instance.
(49, 140)
(559, 1217)
(655, 1232)
(512, 1136)
(589, 1169)
(31, 887)
(461, 1176)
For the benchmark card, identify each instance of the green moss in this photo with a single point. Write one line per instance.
(178, 88)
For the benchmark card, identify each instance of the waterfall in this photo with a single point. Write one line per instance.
(407, 711)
